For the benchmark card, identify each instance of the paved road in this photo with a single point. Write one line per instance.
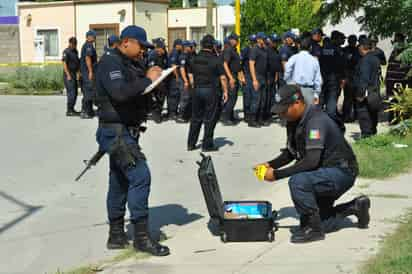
(48, 221)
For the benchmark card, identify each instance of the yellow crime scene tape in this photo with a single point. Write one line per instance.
(260, 172)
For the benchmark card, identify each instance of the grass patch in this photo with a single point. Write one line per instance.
(378, 158)
(395, 255)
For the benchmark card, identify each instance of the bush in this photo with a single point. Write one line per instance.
(49, 77)
(401, 106)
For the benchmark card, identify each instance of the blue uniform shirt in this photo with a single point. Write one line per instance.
(174, 58)
(154, 59)
(87, 50)
(286, 52)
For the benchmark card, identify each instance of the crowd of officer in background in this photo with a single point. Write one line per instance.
(320, 65)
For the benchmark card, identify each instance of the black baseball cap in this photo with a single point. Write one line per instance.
(286, 96)
(317, 31)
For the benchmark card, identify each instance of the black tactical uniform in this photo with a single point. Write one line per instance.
(232, 58)
(162, 61)
(274, 69)
(367, 92)
(332, 64)
(352, 57)
(71, 58)
(122, 108)
(325, 167)
(258, 97)
(206, 68)
(185, 105)
(88, 85)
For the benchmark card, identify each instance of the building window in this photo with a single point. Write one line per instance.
(227, 30)
(51, 42)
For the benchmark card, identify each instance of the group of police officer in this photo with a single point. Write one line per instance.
(204, 89)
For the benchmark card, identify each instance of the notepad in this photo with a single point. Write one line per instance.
(163, 76)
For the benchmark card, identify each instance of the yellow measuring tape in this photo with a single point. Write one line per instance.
(260, 172)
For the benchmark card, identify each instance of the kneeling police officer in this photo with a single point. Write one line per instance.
(122, 108)
(325, 167)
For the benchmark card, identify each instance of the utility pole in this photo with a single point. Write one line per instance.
(209, 17)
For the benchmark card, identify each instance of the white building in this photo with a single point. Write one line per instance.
(190, 23)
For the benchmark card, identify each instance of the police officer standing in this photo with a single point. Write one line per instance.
(258, 61)
(325, 167)
(274, 69)
(207, 70)
(233, 70)
(71, 66)
(247, 82)
(286, 51)
(122, 107)
(88, 61)
(185, 104)
(158, 57)
(352, 57)
(367, 89)
(332, 64)
(316, 49)
(174, 93)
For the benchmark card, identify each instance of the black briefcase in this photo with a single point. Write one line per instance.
(237, 221)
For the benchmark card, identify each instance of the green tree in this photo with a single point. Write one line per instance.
(381, 17)
(278, 16)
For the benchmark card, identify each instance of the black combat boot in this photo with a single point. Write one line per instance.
(143, 242)
(117, 236)
(358, 207)
(304, 219)
(311, 232)
(72, 112)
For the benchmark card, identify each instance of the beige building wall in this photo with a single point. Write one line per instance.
(102, 13)
(45, 16)
(153, 18)
(189, 18)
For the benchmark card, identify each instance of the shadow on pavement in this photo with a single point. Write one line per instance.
(160, 216)
(27, 209)
(222, 141)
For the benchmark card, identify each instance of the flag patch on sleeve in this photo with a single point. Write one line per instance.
(314, 134)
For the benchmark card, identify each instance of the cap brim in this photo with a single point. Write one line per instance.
(279, 108)
(146, 44)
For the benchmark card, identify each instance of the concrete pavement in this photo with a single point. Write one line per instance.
(49, 222)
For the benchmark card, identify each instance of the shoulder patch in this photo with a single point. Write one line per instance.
(114, 75)
(314, 134)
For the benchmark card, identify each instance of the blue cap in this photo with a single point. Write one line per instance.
(113, 39)
(159, 43)
(186, 43)
(261, 35)
(252, 38)
(178, 42)
(289, 34)
(194, 44)
(233, 36)
(91, 33)
(136, 33)
(317, 31)
(226, 41)
(274, 37)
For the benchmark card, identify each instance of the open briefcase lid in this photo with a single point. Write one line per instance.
(210, 188)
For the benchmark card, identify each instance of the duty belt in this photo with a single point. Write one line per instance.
(306, 86)
(134, 131)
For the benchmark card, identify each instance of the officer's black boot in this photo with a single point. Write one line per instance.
(358, 207)
(312, 232)
(143, 242)
(72, 112)
(117, 236)
(303, 223)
